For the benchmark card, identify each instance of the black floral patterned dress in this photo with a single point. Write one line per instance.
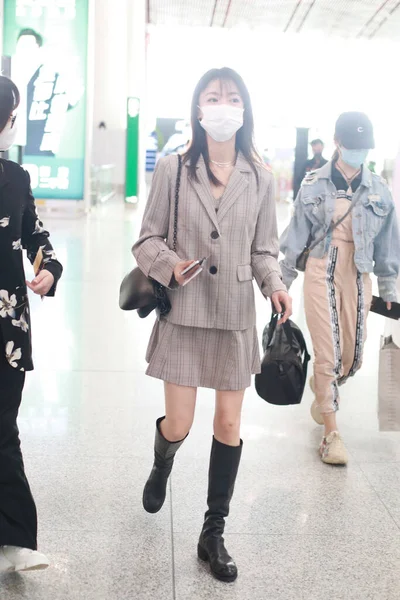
(20, 228)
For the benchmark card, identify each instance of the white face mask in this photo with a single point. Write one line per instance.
(353, 158)
(7, 136)
(221, 121)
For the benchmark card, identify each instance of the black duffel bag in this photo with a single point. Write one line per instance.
(284, 367)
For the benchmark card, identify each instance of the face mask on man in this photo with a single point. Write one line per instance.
(221, 121)
(8, 135)
(353, 158)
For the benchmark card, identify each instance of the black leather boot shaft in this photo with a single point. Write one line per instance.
(156, 487)
(224, 465)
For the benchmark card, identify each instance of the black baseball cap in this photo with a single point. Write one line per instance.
(354, 131)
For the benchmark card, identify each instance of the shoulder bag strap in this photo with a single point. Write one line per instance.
(177, 187)
(331, 228)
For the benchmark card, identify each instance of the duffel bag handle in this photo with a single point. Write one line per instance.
(272, 328)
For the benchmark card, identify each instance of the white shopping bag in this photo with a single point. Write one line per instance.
(389, 385)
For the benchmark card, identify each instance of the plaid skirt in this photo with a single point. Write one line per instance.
(210, 358)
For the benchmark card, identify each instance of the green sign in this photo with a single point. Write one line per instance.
(132, 150)
(47, 42)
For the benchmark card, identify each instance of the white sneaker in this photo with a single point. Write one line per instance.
(13, 558)
(333, 450)
(5, 564)
(315, 412)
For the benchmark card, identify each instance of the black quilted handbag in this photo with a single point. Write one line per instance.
(142, 293)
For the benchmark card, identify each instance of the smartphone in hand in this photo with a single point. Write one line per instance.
(379, 307)
(195, 268)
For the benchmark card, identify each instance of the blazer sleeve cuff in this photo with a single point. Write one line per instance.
(273, 283)
(162, 270)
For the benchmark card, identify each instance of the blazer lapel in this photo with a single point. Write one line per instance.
(203, 190)
(236, 185)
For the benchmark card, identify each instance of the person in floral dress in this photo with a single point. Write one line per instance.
(20, 228)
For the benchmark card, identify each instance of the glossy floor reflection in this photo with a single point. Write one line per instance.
(298, 529)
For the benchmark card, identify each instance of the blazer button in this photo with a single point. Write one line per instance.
(213, 270)
(215, 235)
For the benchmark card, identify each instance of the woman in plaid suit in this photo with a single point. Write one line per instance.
(227, 215)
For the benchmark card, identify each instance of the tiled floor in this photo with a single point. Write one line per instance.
(298, 529)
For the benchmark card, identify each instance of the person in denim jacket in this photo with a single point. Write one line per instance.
(338, 288)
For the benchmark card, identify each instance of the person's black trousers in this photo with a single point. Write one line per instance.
(18, 519)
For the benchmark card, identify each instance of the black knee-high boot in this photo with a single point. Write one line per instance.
(224, 465)
(156, 487)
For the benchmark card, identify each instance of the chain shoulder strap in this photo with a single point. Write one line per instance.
(177, 188)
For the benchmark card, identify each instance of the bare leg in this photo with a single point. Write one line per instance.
(227, 419)
(180, 404)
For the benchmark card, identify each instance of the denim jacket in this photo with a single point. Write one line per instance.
(375, 229)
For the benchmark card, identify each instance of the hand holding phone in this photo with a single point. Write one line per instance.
(188, 270)
(381, 307)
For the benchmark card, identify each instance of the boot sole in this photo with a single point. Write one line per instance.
(151, 510)
(146, 506)
(202, 554)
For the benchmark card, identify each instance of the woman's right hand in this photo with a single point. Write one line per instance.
(181, 266)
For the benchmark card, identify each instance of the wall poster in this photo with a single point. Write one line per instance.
(47, 43)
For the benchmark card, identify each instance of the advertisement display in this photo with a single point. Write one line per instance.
(47, 43)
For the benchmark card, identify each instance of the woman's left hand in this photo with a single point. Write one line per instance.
(42, 283)
(283, 305)
(389, 305)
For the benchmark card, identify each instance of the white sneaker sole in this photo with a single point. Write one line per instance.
(36, 567)
(6, 567)
(340, 462)
(12, 561)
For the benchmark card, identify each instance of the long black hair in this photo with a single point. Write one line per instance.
(9, 100)
(244, 137)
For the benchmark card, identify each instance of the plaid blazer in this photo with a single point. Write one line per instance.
(240, 241)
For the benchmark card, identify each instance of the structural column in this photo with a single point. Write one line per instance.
(136, 107)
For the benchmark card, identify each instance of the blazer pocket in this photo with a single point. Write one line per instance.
(245, 273)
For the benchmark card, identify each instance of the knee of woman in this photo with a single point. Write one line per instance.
(176, 429)
(227, 426)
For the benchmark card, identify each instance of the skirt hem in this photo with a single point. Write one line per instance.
(222, 360)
